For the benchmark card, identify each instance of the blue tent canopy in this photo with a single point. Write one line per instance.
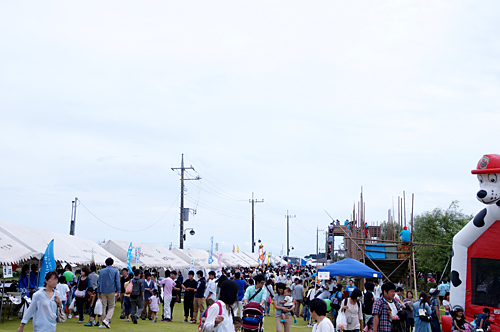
(350, 267)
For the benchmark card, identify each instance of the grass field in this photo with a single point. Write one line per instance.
(144, 325)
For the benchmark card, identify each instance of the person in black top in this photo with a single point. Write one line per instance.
(189, 287)
(459, 320)
(368, 300)
(123, 279)
(176, 292)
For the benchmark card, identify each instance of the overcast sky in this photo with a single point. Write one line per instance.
(300, 102)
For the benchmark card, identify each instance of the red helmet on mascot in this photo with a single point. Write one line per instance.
(489, 163)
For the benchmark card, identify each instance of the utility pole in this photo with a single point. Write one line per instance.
(288, 232)
(253, 201)
(183, 212)
(73, 216)
(317, 244)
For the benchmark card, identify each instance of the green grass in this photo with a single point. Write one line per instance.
(118, 324)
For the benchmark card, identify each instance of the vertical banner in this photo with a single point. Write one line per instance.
(137, 256)
(93, 260)
(269, 258)
(210, 258)
(220, 264)
(233, 249)
(129, 257)
(237, 249)
(48, 263)
(191, 266)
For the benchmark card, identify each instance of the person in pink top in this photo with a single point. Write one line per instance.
(168, 285)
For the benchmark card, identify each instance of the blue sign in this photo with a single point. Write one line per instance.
(48, 263)
(210, 258)
(129, 257)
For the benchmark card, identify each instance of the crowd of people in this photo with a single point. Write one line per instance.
(218, 301)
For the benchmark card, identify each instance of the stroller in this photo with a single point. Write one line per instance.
(253, 318)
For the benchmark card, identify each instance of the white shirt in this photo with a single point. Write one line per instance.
(225, 326)
(44, 312)
(324, 326)
(211, 288)
(63, 290)
(377, 292)
(280, 279)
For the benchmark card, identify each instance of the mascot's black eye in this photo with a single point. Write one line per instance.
(480, 178)
(492, 178)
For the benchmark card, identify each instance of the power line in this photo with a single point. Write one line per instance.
(127, 230)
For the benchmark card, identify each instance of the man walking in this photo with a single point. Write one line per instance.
(241, 291)
(108, 286)
(199, 295)
(149, 285)
(176, 292)
(382, 306)
(298, 295)
(137, 296)
(168, 285)
(256, 293)
(436, 317)
(123, 279)
(211, 289)
(189, 287)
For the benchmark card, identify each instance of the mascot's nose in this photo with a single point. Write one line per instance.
(482, 193)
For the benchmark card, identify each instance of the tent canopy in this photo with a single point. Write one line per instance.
(350, 267)
(230, 259)
(199, 257)
(151, 256)
(67, 248)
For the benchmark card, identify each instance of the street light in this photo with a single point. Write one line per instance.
(191, 232)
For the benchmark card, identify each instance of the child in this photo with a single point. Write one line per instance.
(369, 325)
(237, 323)
(459, 320)
(63, 290)
(153, 305)
(91, 301)
(287, 303)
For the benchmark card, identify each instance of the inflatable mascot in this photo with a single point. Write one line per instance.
(475, 265)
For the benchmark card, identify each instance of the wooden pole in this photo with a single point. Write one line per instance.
(411, 241)
(404, 201)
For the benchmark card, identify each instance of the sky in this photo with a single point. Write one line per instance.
(300, 103)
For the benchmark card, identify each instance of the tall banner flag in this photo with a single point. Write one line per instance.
(93, 260)
(238, 249)
(191, 266)
(269, 258)
(210, 258)
(220, 264)
(137, 256)
(129, 257)
(233, 248)
(48, 263)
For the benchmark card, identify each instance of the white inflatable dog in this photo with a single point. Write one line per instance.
(488, 175)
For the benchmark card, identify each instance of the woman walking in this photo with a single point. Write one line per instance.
(220, 315)
(408, 305)
(420, 308)
(280, 297)
(81, 286)
(43, 308)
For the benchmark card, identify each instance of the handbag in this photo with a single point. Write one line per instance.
(424, 316)
(61, 316)
(98, 307)
(72, 305)
(79, 293)
(129, 288)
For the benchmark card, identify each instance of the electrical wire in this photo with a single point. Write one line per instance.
(128, 230)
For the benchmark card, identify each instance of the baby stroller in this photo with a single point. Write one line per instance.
(253, 318)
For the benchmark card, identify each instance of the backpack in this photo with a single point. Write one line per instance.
(136, 289)
(204, 315)
(335, 304)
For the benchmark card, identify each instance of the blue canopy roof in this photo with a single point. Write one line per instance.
(350, 267)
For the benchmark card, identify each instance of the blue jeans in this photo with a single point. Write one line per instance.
(307, 315)
(268, 308)
(435, 327)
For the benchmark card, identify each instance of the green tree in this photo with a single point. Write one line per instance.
(437, 226)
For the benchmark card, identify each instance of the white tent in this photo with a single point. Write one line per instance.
(230, 259)
(276, 260)
(67, 248)
(151, 256)
(253, 257)
(242, 257)
(199, 257)
(13, 251)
